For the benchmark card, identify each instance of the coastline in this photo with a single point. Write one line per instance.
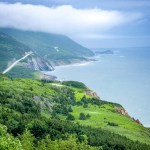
(47, 74)
(81, 63)
(77, 62)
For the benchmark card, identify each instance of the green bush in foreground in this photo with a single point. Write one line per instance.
(8, 142)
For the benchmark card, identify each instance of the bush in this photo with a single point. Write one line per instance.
(88, 116)
(112, 124)
(70, 117)
(70, 109)
(82, 116)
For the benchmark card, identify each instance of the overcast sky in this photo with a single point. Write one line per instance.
(92, 23)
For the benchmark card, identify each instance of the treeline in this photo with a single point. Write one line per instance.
(57, 134)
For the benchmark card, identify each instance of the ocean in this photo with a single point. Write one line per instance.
(122, 77)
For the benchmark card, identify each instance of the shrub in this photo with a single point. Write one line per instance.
(88, 116)
(112, 124)
(70, 117)
(82, 116)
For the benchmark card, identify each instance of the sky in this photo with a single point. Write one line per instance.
(92, 23)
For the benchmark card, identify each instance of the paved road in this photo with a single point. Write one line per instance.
(11, 66)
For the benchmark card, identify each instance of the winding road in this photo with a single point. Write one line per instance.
(11, 66)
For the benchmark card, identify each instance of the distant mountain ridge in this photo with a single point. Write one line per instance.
(55, 48)
(104, 52)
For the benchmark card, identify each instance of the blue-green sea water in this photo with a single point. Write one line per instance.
(122, 77)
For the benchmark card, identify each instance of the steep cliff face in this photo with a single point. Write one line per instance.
(36, 63)
(92, 93)
(122, 111)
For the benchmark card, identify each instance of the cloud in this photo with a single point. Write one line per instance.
(64, 19)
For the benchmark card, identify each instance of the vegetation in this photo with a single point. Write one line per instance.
(112, 124)
(10, 49)
(82, 116)
(75, 84)
(7, 141)
(70, 117)
(23, 73)
(43, 115)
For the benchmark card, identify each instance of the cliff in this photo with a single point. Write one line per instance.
(92, 93)
(37, 63)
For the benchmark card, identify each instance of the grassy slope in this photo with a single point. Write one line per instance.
(101, 115)
(9, 49)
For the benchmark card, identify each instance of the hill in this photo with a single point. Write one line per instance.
(57, 49)
(52, 114)
(12, 50)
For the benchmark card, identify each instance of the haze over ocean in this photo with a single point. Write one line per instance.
(123, 77)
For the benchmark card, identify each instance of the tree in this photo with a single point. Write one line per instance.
(85, 105)
(38, 129)
(88, 116)
(46, 144)
(70, 117)
(27, 141)
(70, 109)
(82, 116)
(8, 142)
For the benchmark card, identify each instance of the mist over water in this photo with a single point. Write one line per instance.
(123, 77)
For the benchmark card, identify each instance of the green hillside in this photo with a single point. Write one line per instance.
(44, 114)
(10, 48)
(54, 47)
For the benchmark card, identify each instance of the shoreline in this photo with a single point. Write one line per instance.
(78, 62)
(82, 63)
(75, 64)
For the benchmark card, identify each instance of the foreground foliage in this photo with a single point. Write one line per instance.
(42, 115)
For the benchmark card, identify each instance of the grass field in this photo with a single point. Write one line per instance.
(101, 116)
